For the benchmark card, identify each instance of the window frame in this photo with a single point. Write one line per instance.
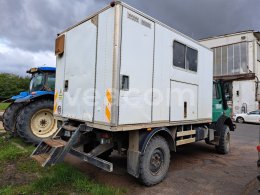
(185, 57)
(258, 52)
(231, 47)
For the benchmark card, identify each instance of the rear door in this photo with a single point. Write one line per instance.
(79, 78)
(136, 69)
(183, 101)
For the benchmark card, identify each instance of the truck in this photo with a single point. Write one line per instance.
(30, 114)
(126, 82)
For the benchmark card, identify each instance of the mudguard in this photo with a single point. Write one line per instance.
(32, 96)
(224, 120)
(162, 131)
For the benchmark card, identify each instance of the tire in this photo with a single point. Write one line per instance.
(155, 161)
(240, 120)
(36, 122)
(10, 116)
(224, 141)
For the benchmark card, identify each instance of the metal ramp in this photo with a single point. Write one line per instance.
(53, 150)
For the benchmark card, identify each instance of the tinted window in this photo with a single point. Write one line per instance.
(185, 57)
(51, 82)
(192, 59)
(215, 91)
(254, 113)
(179, 51)
(37, 82)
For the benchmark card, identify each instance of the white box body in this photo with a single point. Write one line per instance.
(121, 41)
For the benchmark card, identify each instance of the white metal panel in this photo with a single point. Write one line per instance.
(244, 95)
(164, 72)
(104, 72)
(182, 93)
(137, 63)
(59, 83)
(80, 54)
(205, 83)
(162, 67)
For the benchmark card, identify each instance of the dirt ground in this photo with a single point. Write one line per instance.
(194, 169)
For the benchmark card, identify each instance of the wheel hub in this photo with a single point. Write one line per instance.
(156, 161)
(43, 124)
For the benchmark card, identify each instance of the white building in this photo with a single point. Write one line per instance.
(237, 62)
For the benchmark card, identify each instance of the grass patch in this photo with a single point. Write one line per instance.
(59, 179)
(3, 106)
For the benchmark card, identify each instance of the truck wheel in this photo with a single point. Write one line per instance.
(154, 163)
(10, 116)
(36, 121)
(240, 120)
(224, 141)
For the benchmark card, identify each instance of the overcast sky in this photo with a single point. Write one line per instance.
(28, 28)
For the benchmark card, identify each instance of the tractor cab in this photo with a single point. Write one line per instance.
(43, 79)
(42, 83)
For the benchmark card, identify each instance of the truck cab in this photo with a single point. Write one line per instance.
(219, 103)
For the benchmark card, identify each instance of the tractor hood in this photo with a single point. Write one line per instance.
(27, 97)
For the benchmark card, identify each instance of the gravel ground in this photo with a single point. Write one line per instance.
(194, 169)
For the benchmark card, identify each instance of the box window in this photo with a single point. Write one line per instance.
(185, 57)
(191, 59)
(179, 51)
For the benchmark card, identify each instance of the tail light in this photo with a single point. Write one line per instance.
(258, 148)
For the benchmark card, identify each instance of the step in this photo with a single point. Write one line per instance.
(41, 158)
(69, 128)
(185, 141)
(55, 143)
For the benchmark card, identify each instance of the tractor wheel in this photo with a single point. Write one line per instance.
(36, 121)
(224, 141)
(154, 163)
(10, 116)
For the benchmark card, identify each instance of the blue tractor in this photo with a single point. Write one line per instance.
(30, 115)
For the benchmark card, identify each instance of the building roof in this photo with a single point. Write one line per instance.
(256, 34)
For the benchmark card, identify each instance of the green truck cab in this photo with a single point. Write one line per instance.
(219, 104)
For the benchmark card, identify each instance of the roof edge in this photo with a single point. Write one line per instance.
(227, 35)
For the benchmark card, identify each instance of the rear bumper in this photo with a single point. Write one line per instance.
(105, 165)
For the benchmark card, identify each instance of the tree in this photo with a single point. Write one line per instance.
(11, 85)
